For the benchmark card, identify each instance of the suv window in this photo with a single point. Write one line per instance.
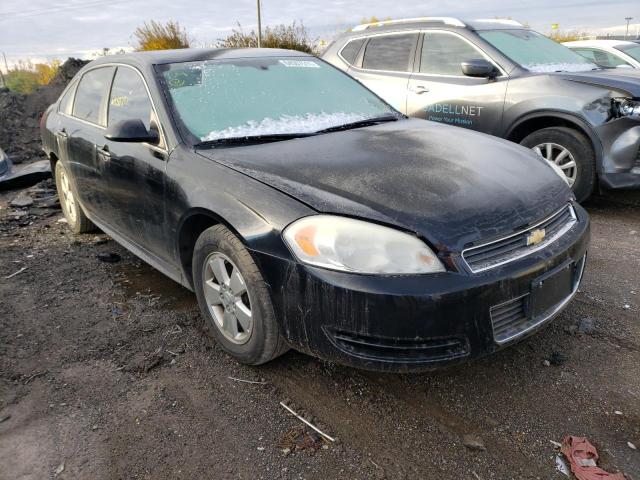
(601, 57)
(351, 49)
(442, 53)
(389, 52)
(92, 89)
(129, 98)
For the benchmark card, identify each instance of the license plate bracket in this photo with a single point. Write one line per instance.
(550, 289)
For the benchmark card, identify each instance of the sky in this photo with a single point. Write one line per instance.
(46, 29)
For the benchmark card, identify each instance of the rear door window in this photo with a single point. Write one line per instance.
(389, 52)
(66, 102)
(90, 94)
(129, 98)
(350, 52)
(443, 53)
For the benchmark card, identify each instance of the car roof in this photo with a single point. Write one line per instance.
(428, 22)
(596, 43)
(449, 23)
(159, 57)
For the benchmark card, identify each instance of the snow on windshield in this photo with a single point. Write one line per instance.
(560, 67)
(309, 123)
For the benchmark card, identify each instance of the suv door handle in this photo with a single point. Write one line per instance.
(419, 89)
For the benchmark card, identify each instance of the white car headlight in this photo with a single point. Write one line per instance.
(350, 245)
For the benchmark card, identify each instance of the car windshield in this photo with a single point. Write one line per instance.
(266, 96)
(632, 50)
(535, 52)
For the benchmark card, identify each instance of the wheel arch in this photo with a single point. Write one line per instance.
(53, 159)
(193, 223)
(534, 121)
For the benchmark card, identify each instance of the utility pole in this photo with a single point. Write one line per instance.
(6, 65)
(628, 19)
(259, 26)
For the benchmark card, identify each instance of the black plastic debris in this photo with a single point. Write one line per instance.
(109, 257)
(13, 177)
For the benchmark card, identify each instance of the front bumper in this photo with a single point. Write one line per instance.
(409, 323)
(620, 167)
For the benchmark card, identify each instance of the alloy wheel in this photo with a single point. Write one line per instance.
(227, 297)
(561, 156)
(68, 198)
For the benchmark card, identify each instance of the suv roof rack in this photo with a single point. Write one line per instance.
(446, 20)
(503, 21)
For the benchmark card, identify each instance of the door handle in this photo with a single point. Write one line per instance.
(104, 153)
(419, 89)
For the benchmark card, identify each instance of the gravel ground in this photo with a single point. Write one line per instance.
(104, 373)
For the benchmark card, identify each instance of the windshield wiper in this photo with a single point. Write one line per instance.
(361, 123)
(273, 137)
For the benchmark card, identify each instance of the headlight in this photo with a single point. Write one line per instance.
(349, 245)
(625, 107)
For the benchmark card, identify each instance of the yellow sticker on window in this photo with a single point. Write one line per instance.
(119, 101)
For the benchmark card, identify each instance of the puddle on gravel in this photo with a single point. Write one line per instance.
(139, 280)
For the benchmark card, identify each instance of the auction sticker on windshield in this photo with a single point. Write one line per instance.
(299, 63)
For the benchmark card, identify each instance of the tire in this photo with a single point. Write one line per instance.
(580, 149)
(76, 218)
(262, 341)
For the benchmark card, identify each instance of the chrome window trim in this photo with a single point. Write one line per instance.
(153, 105)
(569, 225)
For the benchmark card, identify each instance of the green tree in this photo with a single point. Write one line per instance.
(157, 36)
(21, 81)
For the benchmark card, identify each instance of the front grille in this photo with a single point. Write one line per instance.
(514, 318)
(517, 245)
(508, 319)
(409, 351)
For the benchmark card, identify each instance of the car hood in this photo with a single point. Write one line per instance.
(449, 185)
(625, 79)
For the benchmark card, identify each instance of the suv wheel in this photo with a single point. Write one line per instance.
(76, 219)
(571, 151)
(234, 298)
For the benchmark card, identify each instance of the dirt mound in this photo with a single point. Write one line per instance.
(20, 114)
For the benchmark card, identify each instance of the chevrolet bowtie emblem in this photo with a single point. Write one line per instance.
(536, 236)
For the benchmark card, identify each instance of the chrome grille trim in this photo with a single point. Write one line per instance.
(514, 238)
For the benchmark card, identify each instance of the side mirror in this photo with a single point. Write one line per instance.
(479, 68)
(131, 131)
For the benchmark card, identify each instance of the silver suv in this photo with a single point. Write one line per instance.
(500, 78)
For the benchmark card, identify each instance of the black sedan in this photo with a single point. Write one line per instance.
(304, 211)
